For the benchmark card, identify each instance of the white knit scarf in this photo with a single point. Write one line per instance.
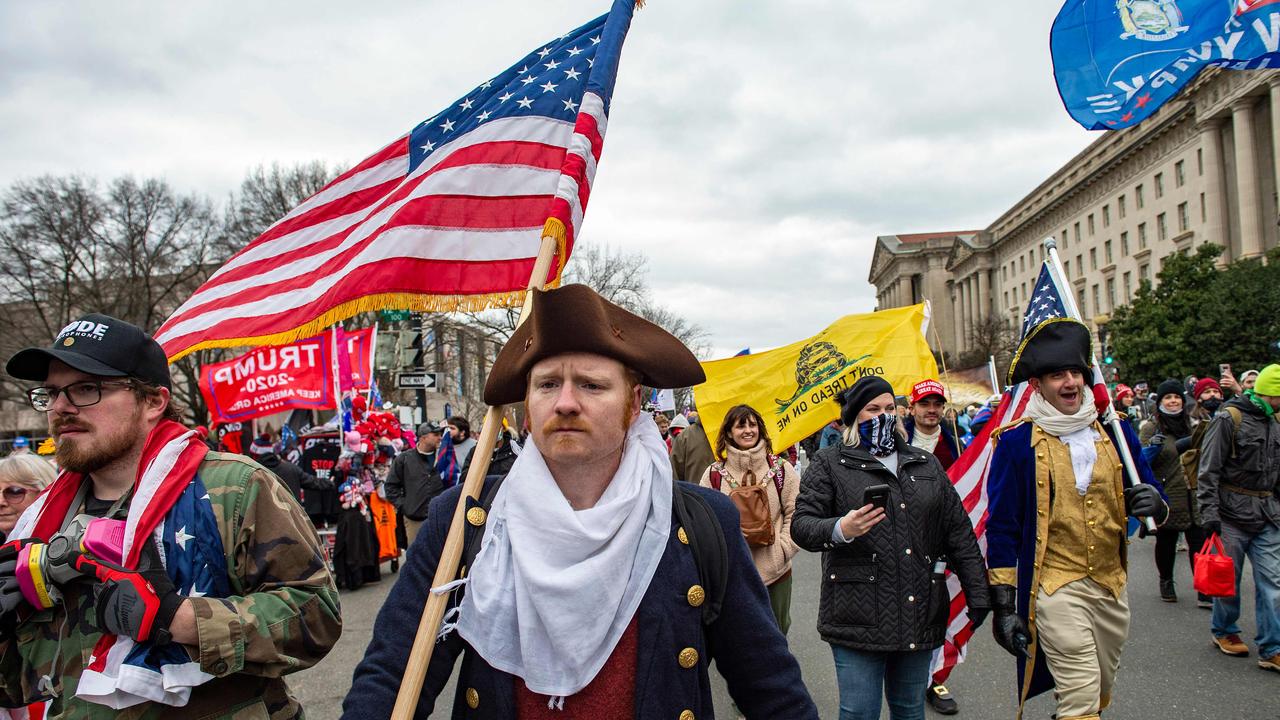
(553, 589)
(1053, 421)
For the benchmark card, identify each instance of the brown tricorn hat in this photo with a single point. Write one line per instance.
(575, 319)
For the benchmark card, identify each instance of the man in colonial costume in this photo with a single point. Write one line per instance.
(585, 599)
(1056, 533)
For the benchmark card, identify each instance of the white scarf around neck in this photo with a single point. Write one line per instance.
(1053, 421)
(553, 589)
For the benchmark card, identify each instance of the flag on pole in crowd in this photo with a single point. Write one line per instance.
(1117, 61)
(449, 216)
(375, 395)
(794, 387)
(969, 473)
(447, 460)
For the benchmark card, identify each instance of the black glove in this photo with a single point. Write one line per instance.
(1009, 629)
(1157, 439)
(137, 603)
(977, 616)
(10, 592)
(1144, 500)
(1212, 527)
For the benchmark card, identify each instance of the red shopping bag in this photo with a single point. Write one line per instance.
(1215, 573)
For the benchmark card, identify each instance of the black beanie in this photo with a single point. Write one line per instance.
(1171, 387)
(859, 394)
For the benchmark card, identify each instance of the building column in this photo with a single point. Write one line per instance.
(969, 307)
(983, 304)
(1215, 212)
(957, 317)
(1247, 178)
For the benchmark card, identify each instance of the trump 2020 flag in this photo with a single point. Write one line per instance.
(1117, 61)
(449, 216)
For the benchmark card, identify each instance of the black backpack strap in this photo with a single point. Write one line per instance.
(475, 534)
(706, 540)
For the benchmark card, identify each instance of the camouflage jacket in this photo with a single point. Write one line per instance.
(283, 617)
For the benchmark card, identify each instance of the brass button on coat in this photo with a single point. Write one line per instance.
(686, 715)
(682, 535)
(696, 595)
(688, 658)
(473, 698)
(476, 516)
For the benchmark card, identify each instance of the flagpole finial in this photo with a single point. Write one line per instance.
(1050, 244)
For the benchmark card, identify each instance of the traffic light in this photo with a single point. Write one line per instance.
(1107, 359)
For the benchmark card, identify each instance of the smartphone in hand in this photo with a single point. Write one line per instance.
(876, 496)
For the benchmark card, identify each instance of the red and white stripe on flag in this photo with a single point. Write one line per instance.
(448, 217)
(969, 476)
(459, 232)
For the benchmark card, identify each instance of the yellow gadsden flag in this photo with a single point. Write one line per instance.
(794, 387)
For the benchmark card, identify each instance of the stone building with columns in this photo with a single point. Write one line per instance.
(1204, 168)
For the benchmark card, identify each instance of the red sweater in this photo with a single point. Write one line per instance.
(611, 694)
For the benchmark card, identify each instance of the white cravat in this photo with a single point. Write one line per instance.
(553, 588)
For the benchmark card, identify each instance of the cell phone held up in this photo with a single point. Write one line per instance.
(876, 496)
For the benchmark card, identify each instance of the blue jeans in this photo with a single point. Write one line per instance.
(1263, 551)
(864, 677)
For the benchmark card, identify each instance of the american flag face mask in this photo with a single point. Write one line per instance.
(877, 434)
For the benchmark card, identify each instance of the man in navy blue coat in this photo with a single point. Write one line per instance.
(1056, 527)
(584, 600)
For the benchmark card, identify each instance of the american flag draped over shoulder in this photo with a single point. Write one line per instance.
(448, 217)
(969, 473)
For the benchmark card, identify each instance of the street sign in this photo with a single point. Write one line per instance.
(391, 316)
(418, 380)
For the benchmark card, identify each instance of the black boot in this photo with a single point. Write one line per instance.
(940, 699)
(1167, 593)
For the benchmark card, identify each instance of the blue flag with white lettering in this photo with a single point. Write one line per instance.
(1117, 61)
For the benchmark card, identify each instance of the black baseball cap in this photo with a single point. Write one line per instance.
(98, 345)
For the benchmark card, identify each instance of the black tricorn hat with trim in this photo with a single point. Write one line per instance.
(1055, 344)
(576, 319)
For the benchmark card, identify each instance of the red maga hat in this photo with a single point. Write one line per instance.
(925, 388)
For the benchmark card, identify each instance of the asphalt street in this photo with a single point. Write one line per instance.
(1169, 670)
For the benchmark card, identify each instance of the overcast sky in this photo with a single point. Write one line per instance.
(755, 149)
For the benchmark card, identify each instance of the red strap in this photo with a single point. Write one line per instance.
(715, 478)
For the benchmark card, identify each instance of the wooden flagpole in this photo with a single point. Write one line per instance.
(415, 670)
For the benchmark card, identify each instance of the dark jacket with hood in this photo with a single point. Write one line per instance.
(1239, 478)
(879, 591)
(294, 477)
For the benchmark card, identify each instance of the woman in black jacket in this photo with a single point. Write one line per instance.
(884, 603)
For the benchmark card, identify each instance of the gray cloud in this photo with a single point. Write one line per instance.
(755, 150)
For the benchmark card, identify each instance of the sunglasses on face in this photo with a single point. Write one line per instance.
(14, 493)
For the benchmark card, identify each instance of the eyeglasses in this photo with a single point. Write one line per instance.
(79, 394)
(14, 493)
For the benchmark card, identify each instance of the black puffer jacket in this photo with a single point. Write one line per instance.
(879, 591)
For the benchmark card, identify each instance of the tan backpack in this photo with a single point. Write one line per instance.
(752, 501)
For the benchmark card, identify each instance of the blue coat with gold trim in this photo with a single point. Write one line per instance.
(1012, 505)
(749, 650)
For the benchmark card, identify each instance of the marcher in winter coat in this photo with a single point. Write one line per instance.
(884, 604)
(1165, 437)
(746, 458)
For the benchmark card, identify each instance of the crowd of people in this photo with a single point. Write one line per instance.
(616, 551)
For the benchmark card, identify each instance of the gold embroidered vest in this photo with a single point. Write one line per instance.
(1086, 532)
